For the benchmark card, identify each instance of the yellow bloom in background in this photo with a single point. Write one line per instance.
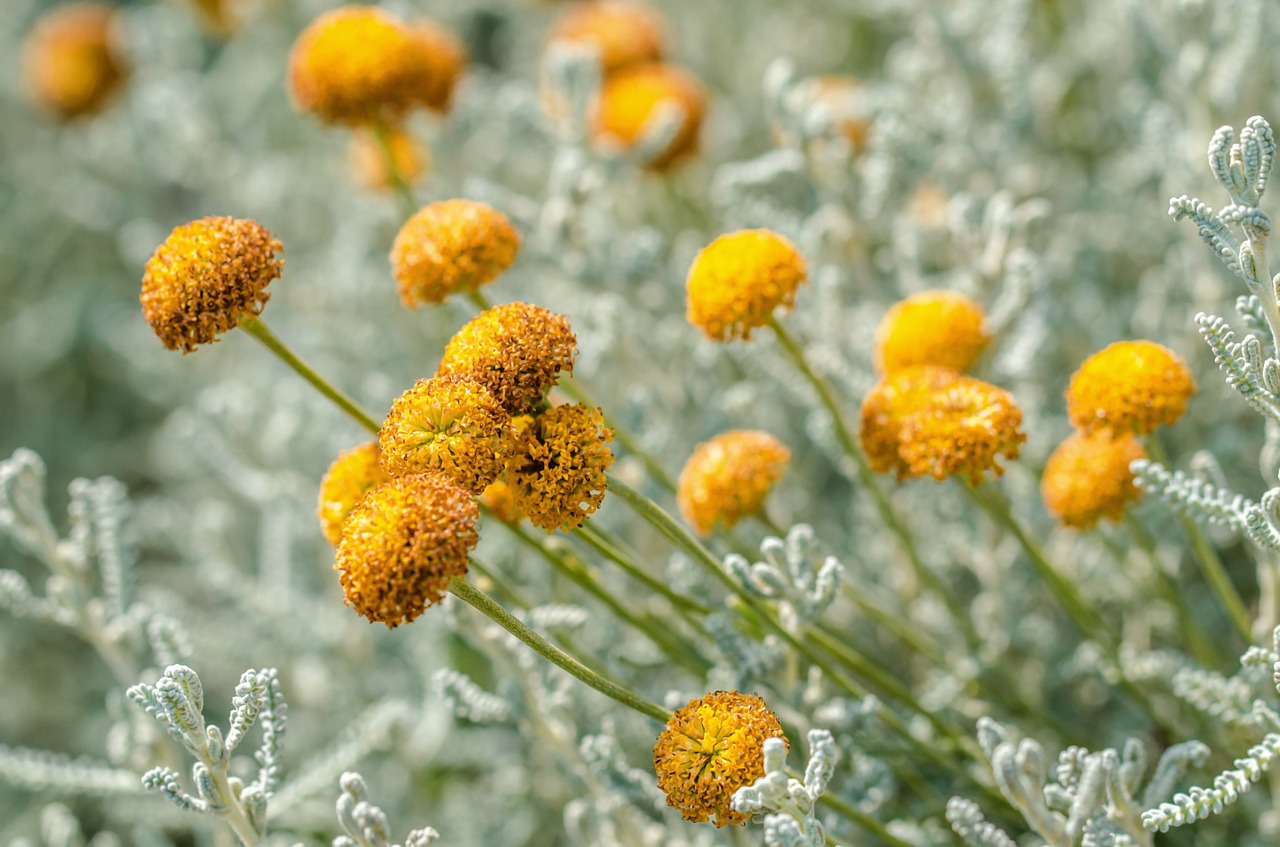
(727, 478)
(358, 65)
(961, 429)
(631, 96)
(500, 500)
(402, 544)
(369, 163)
(205, 276)
(557, 469)
(348, 479)
(737, 282)
(446, 58)
(451, 246)
(709, 749)
(1088, 478)
(942, 328)
(71, 62)
(624, 32)
(453, 426)
(516, 350)
(1129, 386)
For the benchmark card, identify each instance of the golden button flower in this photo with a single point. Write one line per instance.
(942, 328)
(630, 97)
(727, 478)
(349, 478)
(1129, 386)
(71, 62)
(624, 32)
(451, 246)
(884, 408)
(962, 429)
(557, 469)
(1088, 478)
(446, 58)
(737, 282)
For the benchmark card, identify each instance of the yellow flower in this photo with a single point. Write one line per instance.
(557, 469)
(369, 162)
(931, 328)
(357, 65)
(71, 62)
(630, 97)
(624, 32)
(709, 749)
(738, 280)
(516, 350)
(1130, 386)
(453, 426)
(446, 58)
(1088, 478)
(349, 478)
(402, 544)
(884, 408)
(500, 500)
(451, 246)
(727, 478)
(205, 276)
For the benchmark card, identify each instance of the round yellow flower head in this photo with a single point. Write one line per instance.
(961, 429)
(738, 280)
(369, 163)
(931, 328)
(446, 58)
(624, 32)
(71, 62)
(205, 276)
(709, 749)
(516, 350)
(885, 407)
(453, 426)
(402, 544)
(1088, 478)
(727, 478)
(451, 246)
(557, 469)
(349, 478)
(630, 97)
(358, 65)
(1130, 386)
(500, 500)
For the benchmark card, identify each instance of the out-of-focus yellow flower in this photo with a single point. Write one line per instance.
(630, 97)
(349, 478)
(885, 407)
(402, 544)
(516, 350)
(71, 62)
(206, 276)
(500, 500)
(961, 429)
(557, 469)
(369, 163)
(1088, 478)
(942, 328)
(446, 58)
(727, 478)
(624, 32)
(1129, 386)
(451, 246)
(709, 749)
(737, 282)
(453, 426)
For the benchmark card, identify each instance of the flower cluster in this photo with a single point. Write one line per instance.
(1087, 477)
(727, 478)
(942, 328)
(351, 476)
(556, 473)
(449, 247)
(739, 280)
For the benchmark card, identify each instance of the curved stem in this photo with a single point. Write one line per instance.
(408, 206)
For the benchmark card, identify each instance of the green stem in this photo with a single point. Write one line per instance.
(607, 548)
(479, 300)
(862, 819)
(483, 603)
(259, 330)
(408, 206)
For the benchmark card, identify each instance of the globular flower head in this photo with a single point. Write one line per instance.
(446, 59)
(71, 62)
(624, 32)
(557, 469)
(205, 276)
(884, 408)
(1129, 386)
(1088, 478)
(500, 500)
(727, 478)
(369, 163)
(709, 749)
(737, 282)
(630, 97)
(349, 478)
(942, 328)
(358, 65)
(453, 426)
(515, 350)
(403, 543)
(451, 246)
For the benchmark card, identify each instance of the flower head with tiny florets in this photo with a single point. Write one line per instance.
(1129, 386)
(727, 478)
(451, 246)
(631, 97)
(887, 404)
(1088, 478)
(446, 58)
(709, 749)
(737, 282)
(961, 429)
(500, 500)
(205, 277)
(403, 543)
(943, 328)
(71, 63)
(557, 469)
(349, 478)
(624, 32)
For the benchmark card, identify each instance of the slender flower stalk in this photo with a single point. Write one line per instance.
(398, 183)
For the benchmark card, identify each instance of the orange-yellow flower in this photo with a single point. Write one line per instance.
(369, 162)
(402, 544)
(516, 350)
(205, 277)
(624, 32)
(709, 749)
(737, 282)
(349, 478)
(71, 62)
(727, 478)
(1088, 478)
(500, 500)
(453, 426)
(630, 97)
(557, 469)
(885, 407)
(446, 58)
(962, 430)
(931, 328)
(1129, 386)
(451, 246)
